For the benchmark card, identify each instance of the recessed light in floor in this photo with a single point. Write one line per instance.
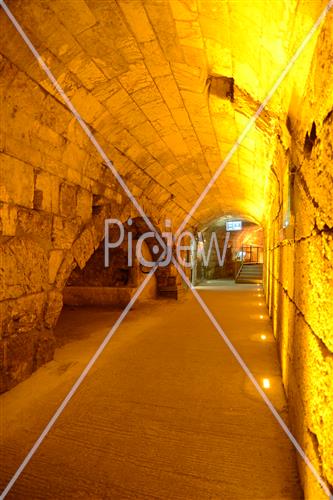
(266, 383)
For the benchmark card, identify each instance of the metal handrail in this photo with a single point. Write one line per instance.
(252, 249)
(239, 270)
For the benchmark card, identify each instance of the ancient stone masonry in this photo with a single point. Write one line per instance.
(55, 195)
(35, 264)
(166, 93)
(37, 261)
(299, 267)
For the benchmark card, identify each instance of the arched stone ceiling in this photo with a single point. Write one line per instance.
(167, 86)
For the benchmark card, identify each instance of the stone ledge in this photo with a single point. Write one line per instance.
(98, 295)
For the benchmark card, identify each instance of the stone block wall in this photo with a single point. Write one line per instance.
(299, 268)
(55, 193)
(114, 285)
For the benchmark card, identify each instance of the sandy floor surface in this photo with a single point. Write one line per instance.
(165, 413)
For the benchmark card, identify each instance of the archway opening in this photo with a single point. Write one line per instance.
(224, 248)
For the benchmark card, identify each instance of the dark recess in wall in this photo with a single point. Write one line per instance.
(310, 140)
(221, 86)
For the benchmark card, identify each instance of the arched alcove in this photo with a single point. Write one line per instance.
(112, 285)
(224, 245)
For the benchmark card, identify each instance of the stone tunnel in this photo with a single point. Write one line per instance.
(211, 116)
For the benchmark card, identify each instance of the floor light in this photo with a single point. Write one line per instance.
(266, 383)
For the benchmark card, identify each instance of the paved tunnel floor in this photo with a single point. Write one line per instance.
(166, 412)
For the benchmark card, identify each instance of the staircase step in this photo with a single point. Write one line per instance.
(248, 281)
(250, 273)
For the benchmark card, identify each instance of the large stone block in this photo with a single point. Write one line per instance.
(87, 71)
(37, 225)
(83, 248)
(160, 16)
(22, 315)
(78, 15)
(17, 359)
(8, 219)
(46, 196)
(20, 355)
(12, 191)
(155, 59)
(19, 273)
(67, 199)
(55, 259)
(53, 308)
(314, 277)
(44, 348)
(86, 104)
(74, 176)
(19, 145)
(137, 19)
(312, 367)
(305, 211)
(64, 231)
(84, 204)
(286, 267)
(65, 269)
(124, 109)
(96, 42)
(74, 156)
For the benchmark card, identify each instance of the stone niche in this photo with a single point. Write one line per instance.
(112, 286)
